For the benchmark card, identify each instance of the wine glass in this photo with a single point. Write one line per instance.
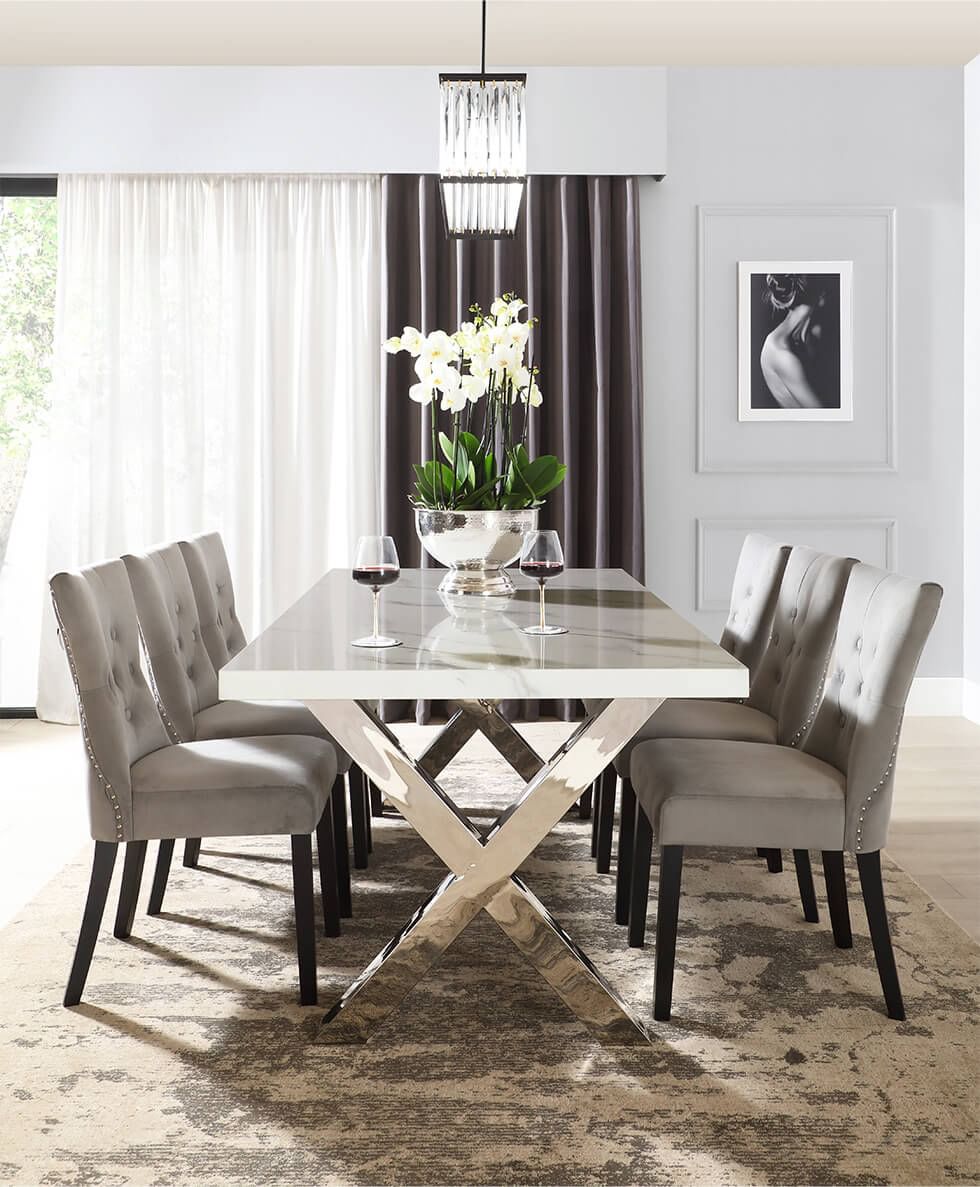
(541, 558)
(376, 565)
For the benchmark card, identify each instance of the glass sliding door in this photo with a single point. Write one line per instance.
(28, 270)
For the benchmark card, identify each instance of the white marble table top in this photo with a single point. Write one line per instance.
(622, 641)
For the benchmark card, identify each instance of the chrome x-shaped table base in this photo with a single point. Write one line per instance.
(481, 865)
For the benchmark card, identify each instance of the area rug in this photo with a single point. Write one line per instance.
(189, 1063)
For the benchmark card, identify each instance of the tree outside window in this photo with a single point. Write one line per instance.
(28, 270)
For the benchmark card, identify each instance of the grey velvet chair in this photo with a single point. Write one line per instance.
(785, 683)
(830, 791)
(145, 786)
(223, 636)
(758, 574)
(184, 681)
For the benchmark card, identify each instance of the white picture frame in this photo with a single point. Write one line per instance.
(793, 363)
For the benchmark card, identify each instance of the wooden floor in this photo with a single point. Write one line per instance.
(935, 832)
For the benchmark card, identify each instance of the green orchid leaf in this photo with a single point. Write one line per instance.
(555, 480)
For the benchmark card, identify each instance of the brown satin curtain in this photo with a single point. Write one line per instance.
(576, 261)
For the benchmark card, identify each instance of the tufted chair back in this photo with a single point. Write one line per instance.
(207, 564)
(884, 623)
(790, 675)
(120, 723)
(754, 589)
(183, 676)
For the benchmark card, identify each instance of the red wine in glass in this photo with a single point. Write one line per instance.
(541, 559)
(375, 575)
(542, 570)
(375, 565)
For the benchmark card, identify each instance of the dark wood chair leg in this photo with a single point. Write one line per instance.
(774, 860)
(606, 812)
(840, 918)
(160, 875)
(358, 818)
(368, 827)
(129, 891)
(596, 792)
(762, 853)
(585, 804)
(98, 892)
(804, 879)
(668, 903)
(192, 851)
(624, 855)
(869, 871)
(377, 801)
(303, 906)
(326, 857)
(341, 850)
(640, 880)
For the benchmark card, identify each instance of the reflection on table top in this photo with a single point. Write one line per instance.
(622, 641)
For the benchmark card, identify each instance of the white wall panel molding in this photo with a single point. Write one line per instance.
(866, 234)
(871, 538)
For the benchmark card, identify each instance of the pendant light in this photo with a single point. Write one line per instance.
(482, 150)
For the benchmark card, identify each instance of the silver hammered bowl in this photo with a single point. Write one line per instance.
(475, 545)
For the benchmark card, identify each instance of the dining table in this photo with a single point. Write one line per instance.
(625, 648)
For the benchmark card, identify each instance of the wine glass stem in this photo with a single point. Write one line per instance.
(376, 591)
(541, 616)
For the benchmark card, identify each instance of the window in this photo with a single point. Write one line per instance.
(28, 268)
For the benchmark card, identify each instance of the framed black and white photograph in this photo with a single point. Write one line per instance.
(795, 340)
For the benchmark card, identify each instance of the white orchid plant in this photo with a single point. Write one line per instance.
(487, 466)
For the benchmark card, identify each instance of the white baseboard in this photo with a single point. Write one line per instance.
(971, 700)
(939, 696)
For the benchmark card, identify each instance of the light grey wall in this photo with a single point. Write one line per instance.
(848, 145)
(971, 387)
(305, 119)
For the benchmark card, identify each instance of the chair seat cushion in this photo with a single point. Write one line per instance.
(235, 787)
(690, 718)
(250, 719)
(738, 793)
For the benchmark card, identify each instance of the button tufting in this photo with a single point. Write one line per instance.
(843, 721)
(113, 634)
(180, 643)
(857, 643)
(778, 677)
(793, 613)
(129, 714)
(132, 668)
(177, 608)
(194, 636)
(190, 670)
(775, 638)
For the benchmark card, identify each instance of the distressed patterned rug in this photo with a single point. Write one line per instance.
(188, 1063)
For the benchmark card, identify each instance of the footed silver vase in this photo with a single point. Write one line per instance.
(475, 545)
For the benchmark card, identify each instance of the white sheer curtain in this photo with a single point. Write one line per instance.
(217, 365)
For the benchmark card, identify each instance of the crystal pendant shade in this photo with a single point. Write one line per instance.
(482, 153)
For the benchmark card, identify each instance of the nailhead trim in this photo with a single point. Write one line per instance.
(161, 708)
(794, 741)
(877, 787)
(107, 786)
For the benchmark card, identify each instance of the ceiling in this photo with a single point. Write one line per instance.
(520, 32)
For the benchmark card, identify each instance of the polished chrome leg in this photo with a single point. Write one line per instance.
(481, 867)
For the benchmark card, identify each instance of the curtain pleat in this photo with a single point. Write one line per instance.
(217, 365)
(576, 260)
